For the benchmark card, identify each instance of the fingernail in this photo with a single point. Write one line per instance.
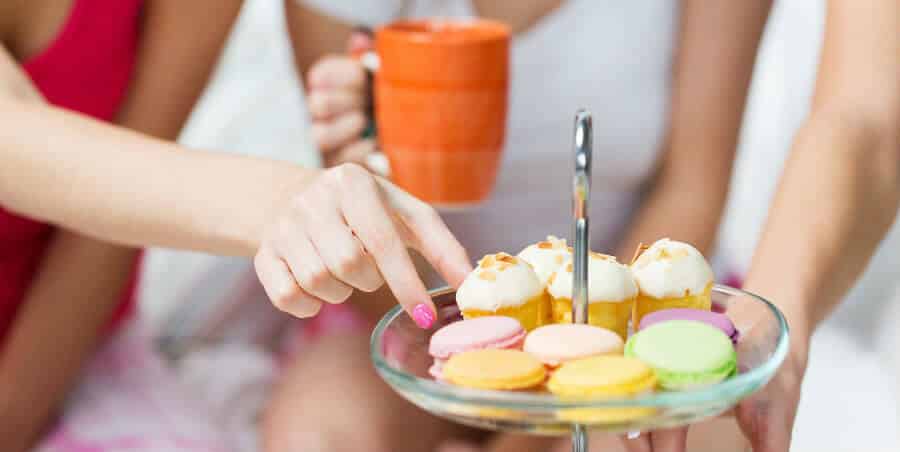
(423, 316)
(633, 435)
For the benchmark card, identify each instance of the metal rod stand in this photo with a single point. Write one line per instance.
(581, 195)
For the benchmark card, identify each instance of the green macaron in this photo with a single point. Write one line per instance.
(685, 354)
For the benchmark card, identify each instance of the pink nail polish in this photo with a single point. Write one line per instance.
(423, 316)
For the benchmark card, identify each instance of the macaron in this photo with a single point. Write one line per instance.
(602, 376)
(491, 332)
(560, 343)
(684, 354)
(607, 376)
(494, 369)
(714, 319)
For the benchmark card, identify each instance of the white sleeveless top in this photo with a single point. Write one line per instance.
(611, 57)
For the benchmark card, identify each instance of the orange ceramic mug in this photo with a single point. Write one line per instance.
(440, 105)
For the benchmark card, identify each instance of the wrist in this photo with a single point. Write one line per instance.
(794, 306)
(275, 185)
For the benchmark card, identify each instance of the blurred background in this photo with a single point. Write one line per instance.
(255, 105)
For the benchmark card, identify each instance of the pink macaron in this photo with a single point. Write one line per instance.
(558, 343)
(491, 332)
(714, 319)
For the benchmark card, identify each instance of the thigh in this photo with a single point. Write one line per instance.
(330, 397)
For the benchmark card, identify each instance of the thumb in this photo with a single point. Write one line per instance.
(670, 440)
(767, 423)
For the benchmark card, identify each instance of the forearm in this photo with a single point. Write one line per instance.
(838, 197)
(685, 213)
(313, 34)
(687, 197)
(67, 306)
(127, 188)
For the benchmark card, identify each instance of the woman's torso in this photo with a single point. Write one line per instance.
(80, 55)
(609, 56)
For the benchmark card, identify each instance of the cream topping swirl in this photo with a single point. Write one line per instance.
(546, 257)
(608, 280)
(499, 281)
(671, 269)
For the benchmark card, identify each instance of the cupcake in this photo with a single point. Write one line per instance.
(670, 275)
(504, 285)
(546, 257)
(611, 293)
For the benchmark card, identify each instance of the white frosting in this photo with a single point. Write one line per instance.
(500, 280)
(608, 280)
(546, 257)
(670, 269)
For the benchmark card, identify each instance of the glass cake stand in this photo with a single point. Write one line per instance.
(399, 351)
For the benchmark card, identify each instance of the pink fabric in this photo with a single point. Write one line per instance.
(333, 318)
(129, 400)
(87, 68)
(734, 280)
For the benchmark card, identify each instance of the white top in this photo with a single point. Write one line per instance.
(546, 257)
(608, 280)
(500, 280)
(612, 57)
(670, 269)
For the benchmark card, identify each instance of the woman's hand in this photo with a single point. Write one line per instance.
(766, 418)
(349, 229)
(337, 89)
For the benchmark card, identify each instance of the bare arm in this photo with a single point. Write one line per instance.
(180, 44)
(841, 185)
(65, 168)
(317, 235)
(837, 198)
(314, 34)
(81, 279)
(714, 63)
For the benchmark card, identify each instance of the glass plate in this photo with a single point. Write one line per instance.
(399, 351)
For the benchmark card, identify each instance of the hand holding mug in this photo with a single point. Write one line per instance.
(337, 96)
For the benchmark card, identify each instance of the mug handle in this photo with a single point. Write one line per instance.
(370, 61)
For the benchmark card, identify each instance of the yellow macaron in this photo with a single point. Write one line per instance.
(494, 369)
(602, 376)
